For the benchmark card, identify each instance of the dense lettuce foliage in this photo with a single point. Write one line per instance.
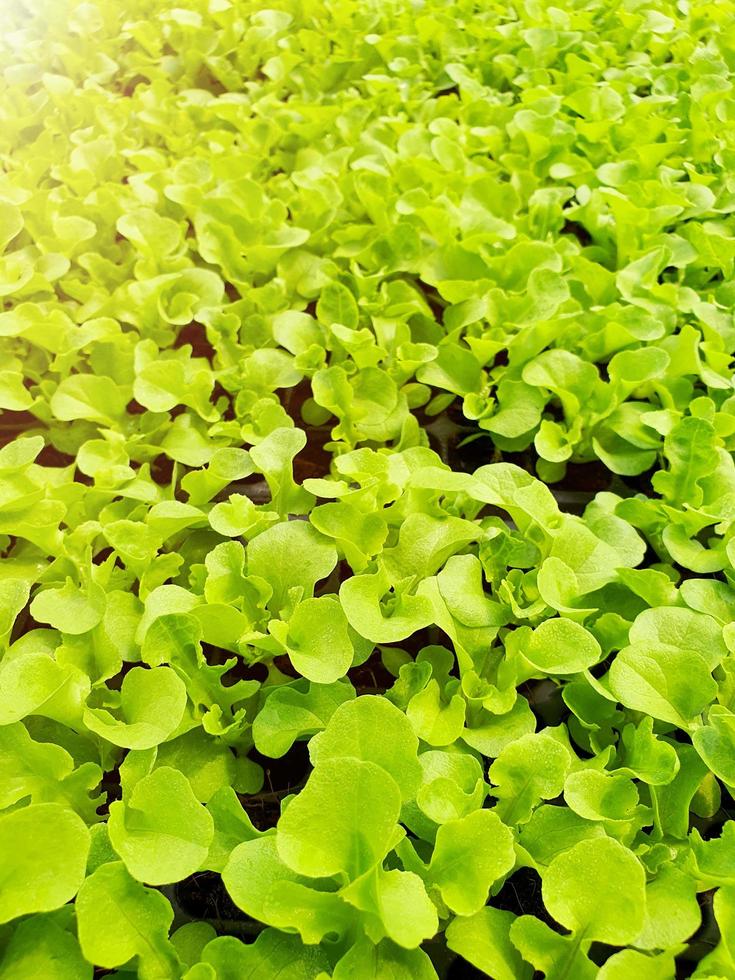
(319, 322)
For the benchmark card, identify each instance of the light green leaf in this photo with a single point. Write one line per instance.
(273, 954)
(452, 787)
(553, 830)
(436, 721)
(531, 769)
(561, 646)
(604, 796)
(671, 684)
(359, 803)
(11, 222)
(268, 890)
(359, 535)
(672, 911)
(490, 733)
(14, 396)
(469, 856)
(152, 704)
(683, 628)
(44, 848)
(118, 919)
(36, 684)
(558, 957)
(274, 458)
(630, 963)
(317, 639)
(88, 396)
(162, 832)
(371, 729)
(647, 757)
(715, 743)
(379, 615)
(597, 889)
(483, 940)
(70, 609)
(190, 939)
(39, 947)
(238, 515)
(208, 763)
(45, 773)
(386, 961)
(424, 545)
(289, 556)
(232, 826)
(337, 305)
(396, 904)
(289, 713)
(20, 453)
(692, 454)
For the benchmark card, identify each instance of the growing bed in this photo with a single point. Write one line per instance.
(367, 594)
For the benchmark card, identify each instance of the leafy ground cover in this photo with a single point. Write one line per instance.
(367, 595)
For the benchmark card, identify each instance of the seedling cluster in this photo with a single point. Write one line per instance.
(367, 490)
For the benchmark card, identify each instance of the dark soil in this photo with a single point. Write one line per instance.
(195, 335)
(314, 460)
(264, 809)
(253, 486)
(203, 896)
(51, 456)
(15, 424)
(110, 786)
(459, 444)
(287, 772)
(241, 671)
(577, 231)
(544, 697)
(521, 895)
(282, 777)
(372, 677)
(162, 469)
(460, 969)
(702, 942)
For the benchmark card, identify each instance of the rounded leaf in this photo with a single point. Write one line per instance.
(342, 822)
(162, 832)
(469, 856)
(597, 888)
(361, 598)
(39, 949)
(668, 683)
(483, 940)
(70, 609)
(373, 730)
(715, 743)
(290, 555)
(118, 918)
(318, 641)
(44, 848)
(152, 703)
(561, 646)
